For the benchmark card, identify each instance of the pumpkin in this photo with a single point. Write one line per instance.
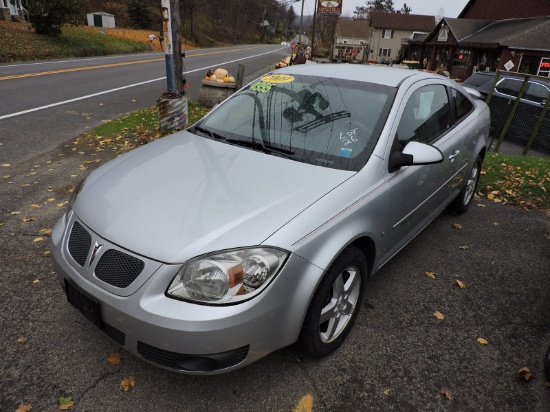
(229, 79)
(220, 80)
(213, 78)
(220, 73)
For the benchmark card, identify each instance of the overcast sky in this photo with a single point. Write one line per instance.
(451, 8)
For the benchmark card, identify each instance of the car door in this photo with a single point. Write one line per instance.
(417, 194)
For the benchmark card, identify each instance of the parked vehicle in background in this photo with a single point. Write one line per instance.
(504, 94)
(259, 226)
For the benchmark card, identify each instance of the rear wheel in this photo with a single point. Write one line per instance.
(466, 195)
(335, 305)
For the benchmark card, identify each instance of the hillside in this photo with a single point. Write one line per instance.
(20, 43)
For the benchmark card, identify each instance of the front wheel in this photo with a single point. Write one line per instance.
(335, 304)
(466, 195)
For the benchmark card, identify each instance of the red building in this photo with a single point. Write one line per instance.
(511, 35)
(504, 9)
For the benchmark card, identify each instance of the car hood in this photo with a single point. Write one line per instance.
(185, 195)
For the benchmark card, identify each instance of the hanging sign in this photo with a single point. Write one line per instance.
(329, 6)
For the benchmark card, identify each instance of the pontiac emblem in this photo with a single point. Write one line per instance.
(95, 251)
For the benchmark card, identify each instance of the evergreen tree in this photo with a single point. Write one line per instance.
(47, 16)
(140, 14)
(406, 9)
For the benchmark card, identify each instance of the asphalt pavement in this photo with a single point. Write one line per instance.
(399, 356)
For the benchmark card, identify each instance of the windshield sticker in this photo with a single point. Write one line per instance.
(345, 152)
(349, 137)
(261, 87)
(278, 78)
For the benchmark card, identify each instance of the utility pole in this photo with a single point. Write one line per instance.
(301, 22)
(172, 104)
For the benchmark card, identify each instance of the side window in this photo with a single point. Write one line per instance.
(463, 106)
(536, 92)
(510, 87)
(426, 115)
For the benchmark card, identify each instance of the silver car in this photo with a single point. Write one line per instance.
(259, 226)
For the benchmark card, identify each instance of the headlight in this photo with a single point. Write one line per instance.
(227, 277)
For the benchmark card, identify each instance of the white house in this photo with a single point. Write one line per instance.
(10, 8)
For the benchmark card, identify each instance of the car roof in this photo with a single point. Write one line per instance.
(385, 75)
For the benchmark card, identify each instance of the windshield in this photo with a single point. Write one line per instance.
(324, 121)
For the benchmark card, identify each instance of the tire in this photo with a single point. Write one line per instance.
(464, 199)
(335, 304)
(547, 364)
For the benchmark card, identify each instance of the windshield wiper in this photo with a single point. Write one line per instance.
(322, 120)
(208, 132)
(266, 148)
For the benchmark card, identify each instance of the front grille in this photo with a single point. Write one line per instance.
(204, 363)
(115, 334)
(79, 243)
(118, 269)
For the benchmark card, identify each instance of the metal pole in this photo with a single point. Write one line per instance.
(313, 32)
(168, 57)
(301, 22)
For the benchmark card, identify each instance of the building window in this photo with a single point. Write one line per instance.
(385, 52)
(544, 68)
(5, 4)
(387, 34)
(461, 58)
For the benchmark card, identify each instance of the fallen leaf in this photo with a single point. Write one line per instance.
(24, 408)
(28, 219)
(65, 403)
(305, 404)
(62, 204)
(439, 315)
(524, 374)
(35, 206)
(464, 247)
(481, 205)
(457, 226)
(16, 213)
(127, 383)
(21, 339)
(387, 392)
(38, 239)
(431, 275)
(44, 232)
(447, 394)
(482, 341)
(114, 358)
(36, 281)
(6, 164)
(461, 284)
(47, 252)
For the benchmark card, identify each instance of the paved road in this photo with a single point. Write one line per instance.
(43, 104)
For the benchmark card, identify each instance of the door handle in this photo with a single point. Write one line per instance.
(455, 154)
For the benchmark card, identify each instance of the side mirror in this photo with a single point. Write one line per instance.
(414, 153)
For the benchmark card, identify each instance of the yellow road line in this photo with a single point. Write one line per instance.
(104, 66)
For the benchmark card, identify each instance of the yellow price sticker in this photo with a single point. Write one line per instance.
(278, 78)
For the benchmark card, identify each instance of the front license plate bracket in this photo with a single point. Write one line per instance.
(86, 305)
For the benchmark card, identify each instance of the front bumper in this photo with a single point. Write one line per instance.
(182, 336)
